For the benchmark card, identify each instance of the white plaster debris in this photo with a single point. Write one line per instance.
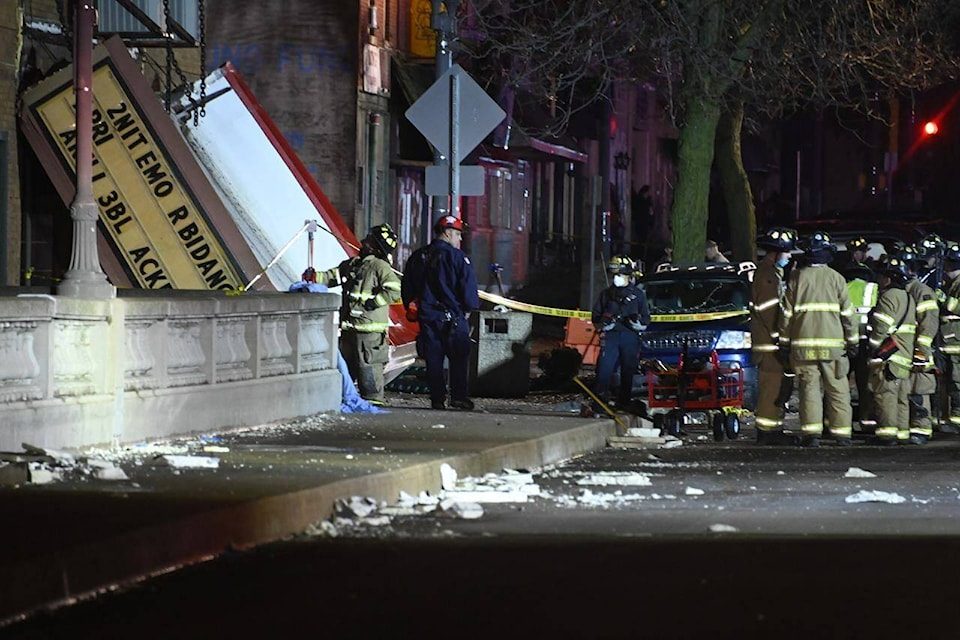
(857, 472)
(355, 507)
(39, 473)
(643, 432)
(485, 495)
(110, 473)
(188, 462)
(693, 491)
(448, 476)
(616, 478)
(875, 496)
(438, 426)
(671, 443)
(722, 528)
(465, 510)
(781, 473)
(213, 448)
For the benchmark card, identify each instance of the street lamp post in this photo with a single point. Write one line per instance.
(84, 278)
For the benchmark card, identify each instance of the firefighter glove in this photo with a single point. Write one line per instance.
(852, 350)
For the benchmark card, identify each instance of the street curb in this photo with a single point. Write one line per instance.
(63, 578)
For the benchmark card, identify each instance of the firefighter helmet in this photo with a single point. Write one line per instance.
(895, 269)
(778, 239)
(931, 244)
(620, 265)
(910, 254)
(819, 241)
(952, 253)
(448, 222)
(857, 244)
(383, 238)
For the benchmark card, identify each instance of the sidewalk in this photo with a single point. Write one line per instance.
(76, 534)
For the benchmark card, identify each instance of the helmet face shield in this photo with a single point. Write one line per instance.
(620, 265)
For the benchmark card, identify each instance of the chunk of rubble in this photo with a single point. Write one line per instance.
(112, 472)
(693, 491)
(875, 496)
(722, 528)
(461, 509)
(643, 432)
(448, 476)
(615, 478)
(13, 474)
(355, 507)
(40, 474)
(857, 472)
(60, 457)
(486, 495)
(188, 462)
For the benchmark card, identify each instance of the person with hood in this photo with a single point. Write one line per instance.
(619, 314)
(816, 331)
(893, 325)
(369, 286)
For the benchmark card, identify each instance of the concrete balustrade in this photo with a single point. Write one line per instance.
(78, 372)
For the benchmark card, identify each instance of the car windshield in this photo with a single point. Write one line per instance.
(697, 296)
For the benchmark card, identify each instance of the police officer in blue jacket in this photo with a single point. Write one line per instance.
(619, 315)
(440, 284)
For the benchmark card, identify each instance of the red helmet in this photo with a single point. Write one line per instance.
(448, 222)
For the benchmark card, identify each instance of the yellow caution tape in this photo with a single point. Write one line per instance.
(577, 313)
(696, 317)
(534, 308)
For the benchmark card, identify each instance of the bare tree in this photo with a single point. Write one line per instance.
(713, 60)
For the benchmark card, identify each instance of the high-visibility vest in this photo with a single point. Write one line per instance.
(863, 297)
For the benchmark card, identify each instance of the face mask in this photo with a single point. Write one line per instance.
(782, 262)
(620, 281)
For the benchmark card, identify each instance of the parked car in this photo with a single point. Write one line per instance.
(703, 308)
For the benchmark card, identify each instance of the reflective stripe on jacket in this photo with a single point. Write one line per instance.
(766, 292)
(369, 287)
(928, 318)
(817, 320)
(895, 315)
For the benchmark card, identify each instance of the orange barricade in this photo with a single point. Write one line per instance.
(582, 336)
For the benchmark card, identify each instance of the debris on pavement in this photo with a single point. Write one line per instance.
(875, 496)
(188, 462)
(857, 472)
(460, 509)
(693, 491)
(722, 528)
(608, 478)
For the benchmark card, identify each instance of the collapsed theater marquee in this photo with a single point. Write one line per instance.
(162, 225)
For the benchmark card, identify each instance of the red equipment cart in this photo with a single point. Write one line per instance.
(696, 386)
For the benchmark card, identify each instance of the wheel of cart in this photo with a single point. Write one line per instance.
(731, 425)
(718, 424)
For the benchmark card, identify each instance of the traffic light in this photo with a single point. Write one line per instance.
(930, 128)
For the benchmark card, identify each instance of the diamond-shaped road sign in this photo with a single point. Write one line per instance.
(477, 116)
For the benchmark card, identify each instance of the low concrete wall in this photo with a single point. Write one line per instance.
(77, 372)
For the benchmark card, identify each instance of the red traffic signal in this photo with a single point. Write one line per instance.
(930, 128)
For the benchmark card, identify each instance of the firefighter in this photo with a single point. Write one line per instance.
(923, 380)
(893, 327)
(767, 292)
(439, 279)
(619, 314)
(863, 292)
(950, 336)
(369, 286)
(816, 330)
(931, 248)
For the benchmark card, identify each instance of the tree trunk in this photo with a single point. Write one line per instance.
(736, 185)
(688, 214)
